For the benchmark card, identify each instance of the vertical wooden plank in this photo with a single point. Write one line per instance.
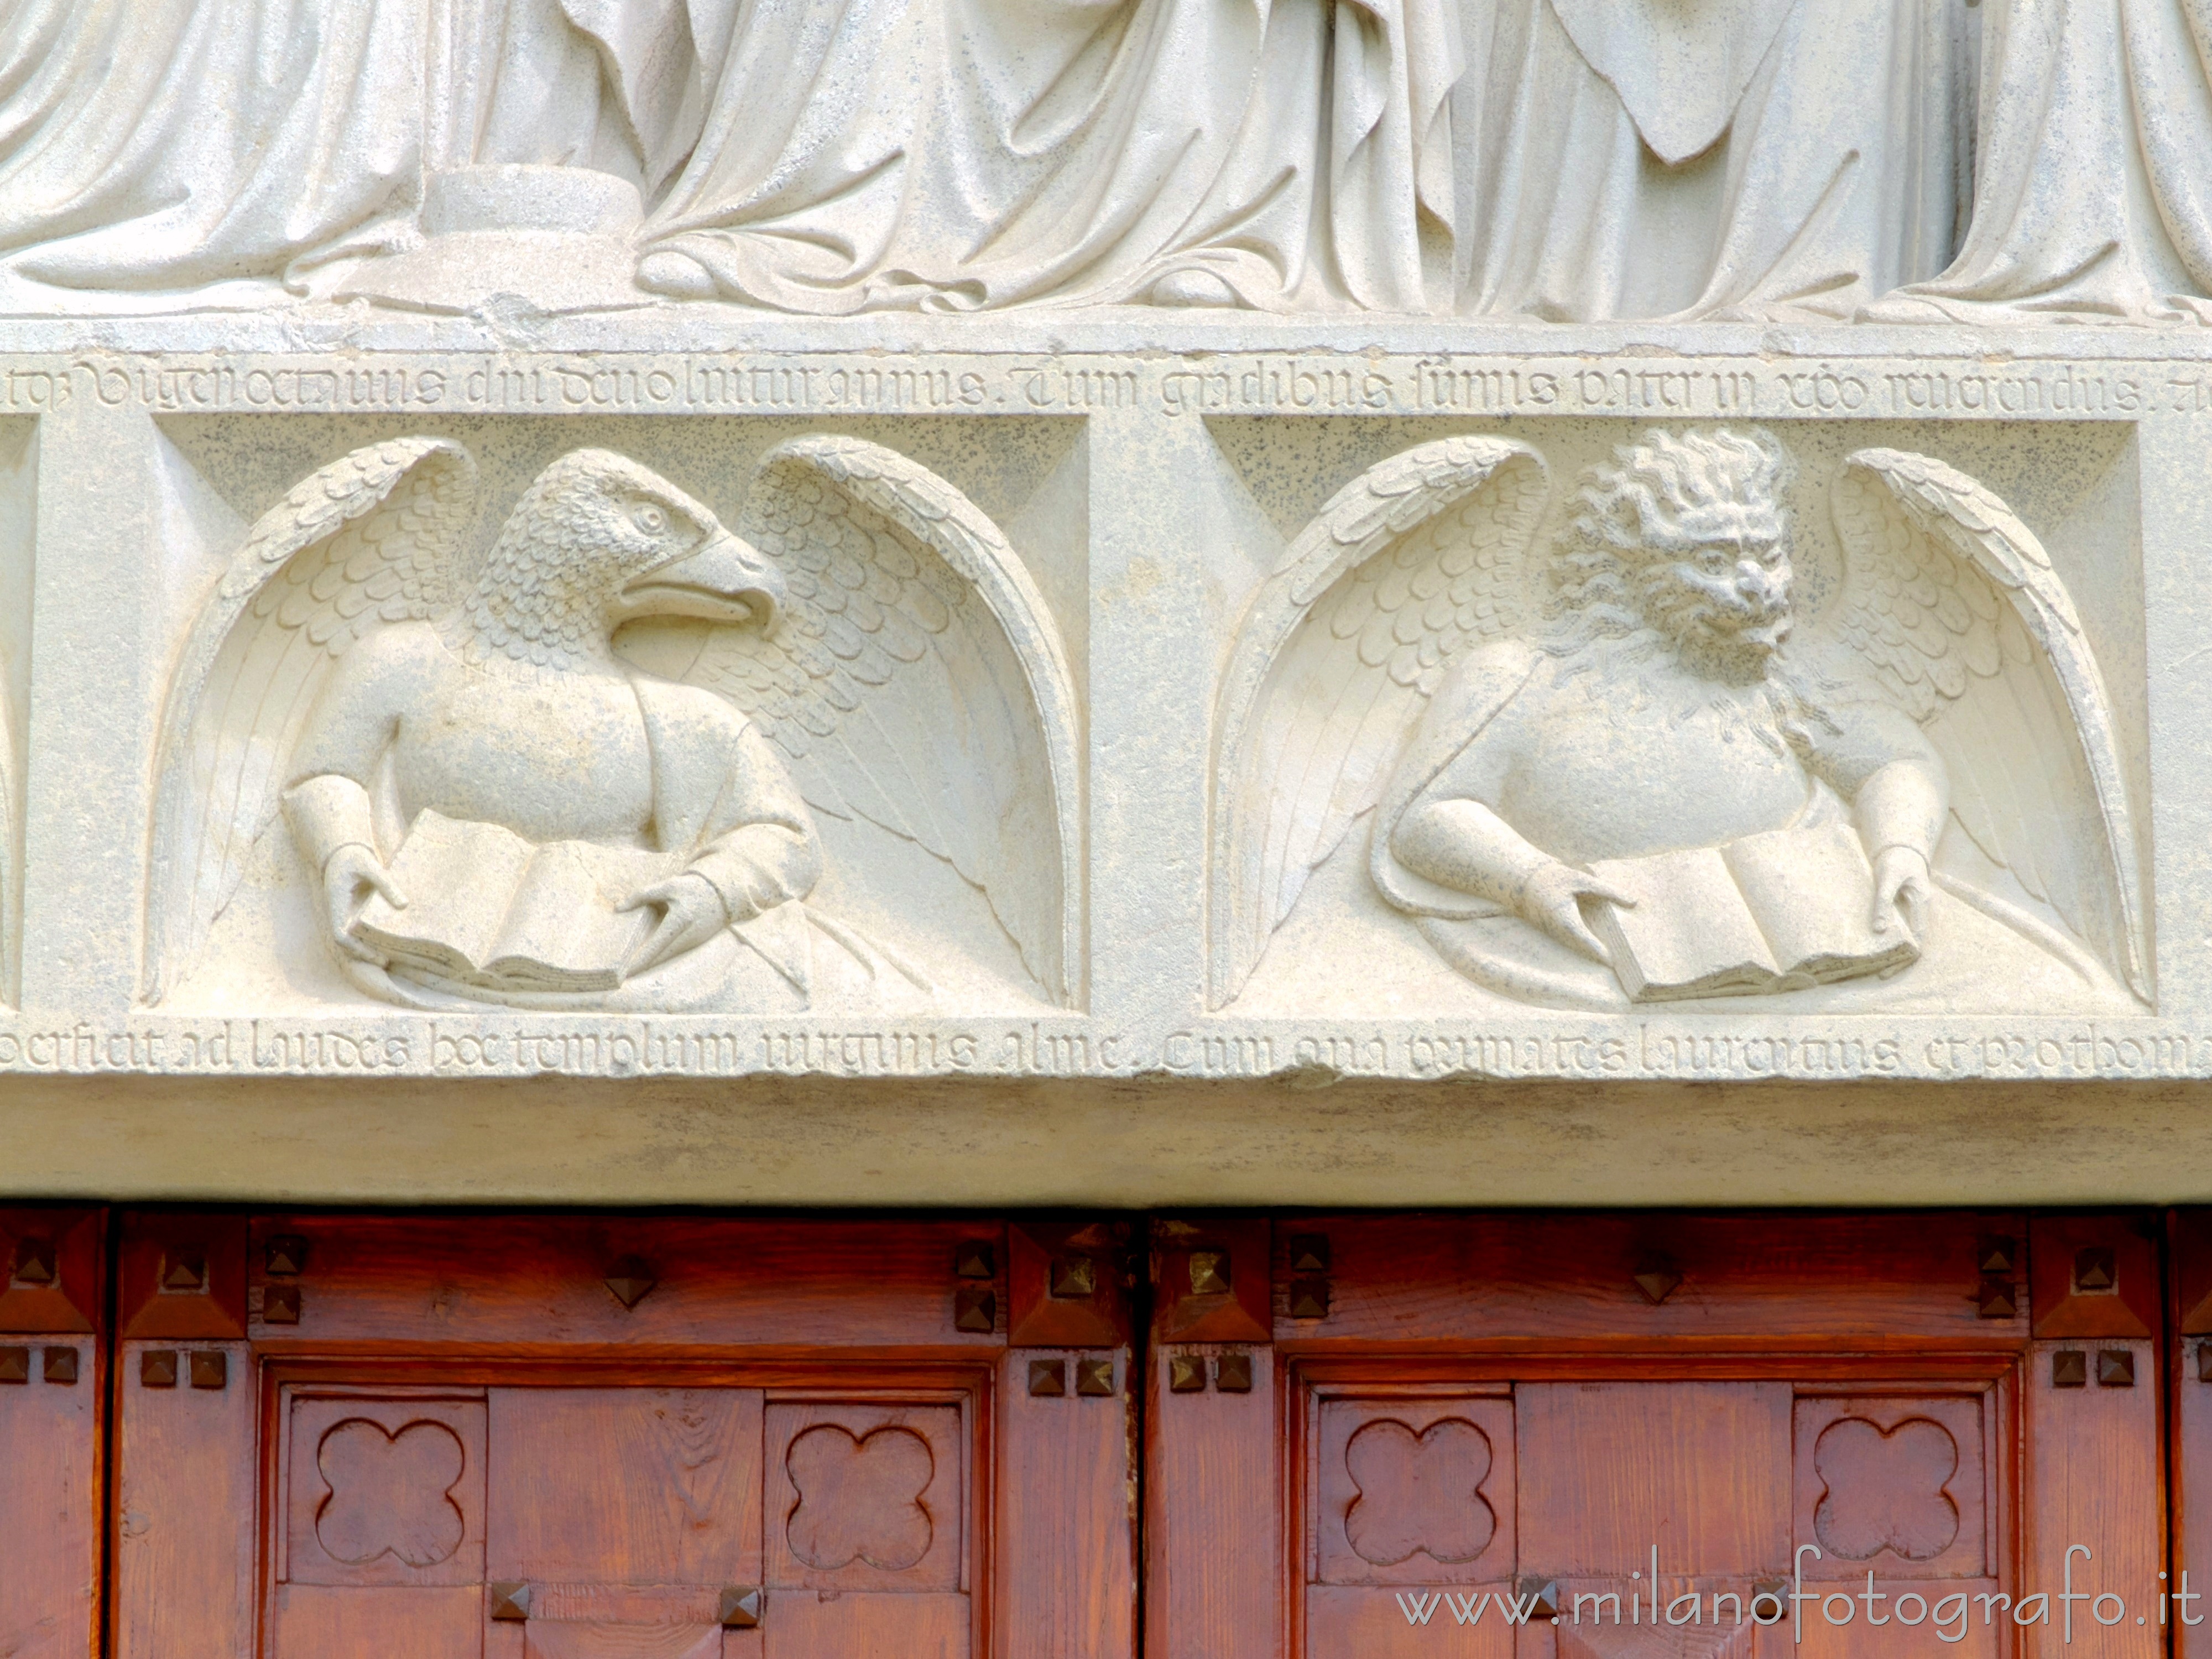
(1065, 1522)
(49, 1499)
(1214, 1567)
(53, 1385)
(2095, 1478)
(185, 1502)
(2189, 1378)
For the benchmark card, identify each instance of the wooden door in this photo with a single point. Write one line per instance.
(1654, 1437)
(52, 1381)
(2189, 1378)
(529, 1437)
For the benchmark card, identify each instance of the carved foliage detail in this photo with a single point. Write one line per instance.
(1418, 1493)
(389, 1494)
(1885, 1490)
(860, 1498)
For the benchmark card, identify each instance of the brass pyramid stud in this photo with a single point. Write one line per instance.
(974, 1258)
(975, 1307)
(630, 1280)
(1072, 1278)
(157, 1368)
(2069, 1368)
(1094, 1378)
(286, 1255)
(14, 1365)
(33, 1263)
(1543, 1594)
(2095, 1269)
(2116, 1368)
(280, 1304)
(1999, 1299)
(184, 1271)
(1232, 1373)
(1658, 1283)
(1994, 1253)
(742, 1606)
(1048, 1379)
(1308, 1298)
(59, 1365)
(2204, 1362)
(1209, 1272)
(510, 1602)
(1308, 1253)
(210, 1367)
(1185, 1373)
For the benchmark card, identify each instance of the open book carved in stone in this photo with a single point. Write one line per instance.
(1504, 722)
(583, 767)
(1777, 911)
(485, 906)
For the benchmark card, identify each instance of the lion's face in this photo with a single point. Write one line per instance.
(1724, 603)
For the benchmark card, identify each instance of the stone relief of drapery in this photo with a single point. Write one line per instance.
(1567, 160)
(1734, 158)
(171, 144)
(960, 154)
(2095, 187)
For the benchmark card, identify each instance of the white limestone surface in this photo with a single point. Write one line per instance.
(624, 708)
(1152, 541)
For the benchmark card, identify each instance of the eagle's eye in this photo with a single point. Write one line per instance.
(648, 518)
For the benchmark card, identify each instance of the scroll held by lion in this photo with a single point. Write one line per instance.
(1598, 751)
(501, 797)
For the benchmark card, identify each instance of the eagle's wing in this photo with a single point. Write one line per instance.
(1951, 602)
(371, 538)
(1415, 560)
(916, 680)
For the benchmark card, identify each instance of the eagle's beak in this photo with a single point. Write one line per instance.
(725, 580)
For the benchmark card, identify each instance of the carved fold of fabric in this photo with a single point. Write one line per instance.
(169, 145)
(615, 86)
(2094, 181)
(958, 154)
(1816, 186)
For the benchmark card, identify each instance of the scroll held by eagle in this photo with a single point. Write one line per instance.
(1614, 748)
(501, 793)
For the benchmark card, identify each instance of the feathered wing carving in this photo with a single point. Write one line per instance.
(916, 680)
(1954, 605)
(372, 537)
(1417, 559)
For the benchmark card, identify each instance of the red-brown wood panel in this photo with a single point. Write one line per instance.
(1575, 1437)
(1212, 1470)
(1065, 1525)
(532, 1437)
(2188, 1377)
(53, 1379)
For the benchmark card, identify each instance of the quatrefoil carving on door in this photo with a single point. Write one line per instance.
(390, 1494)
(1418, 1493)
(1885, 1489)
(859, 1499)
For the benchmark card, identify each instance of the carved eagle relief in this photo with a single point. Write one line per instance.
(1425, 609)
(869, 648)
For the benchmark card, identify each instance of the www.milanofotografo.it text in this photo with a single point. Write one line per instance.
(1946, 1613)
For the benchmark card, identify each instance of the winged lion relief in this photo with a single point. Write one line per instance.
(586, 761)
(1617, 747)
